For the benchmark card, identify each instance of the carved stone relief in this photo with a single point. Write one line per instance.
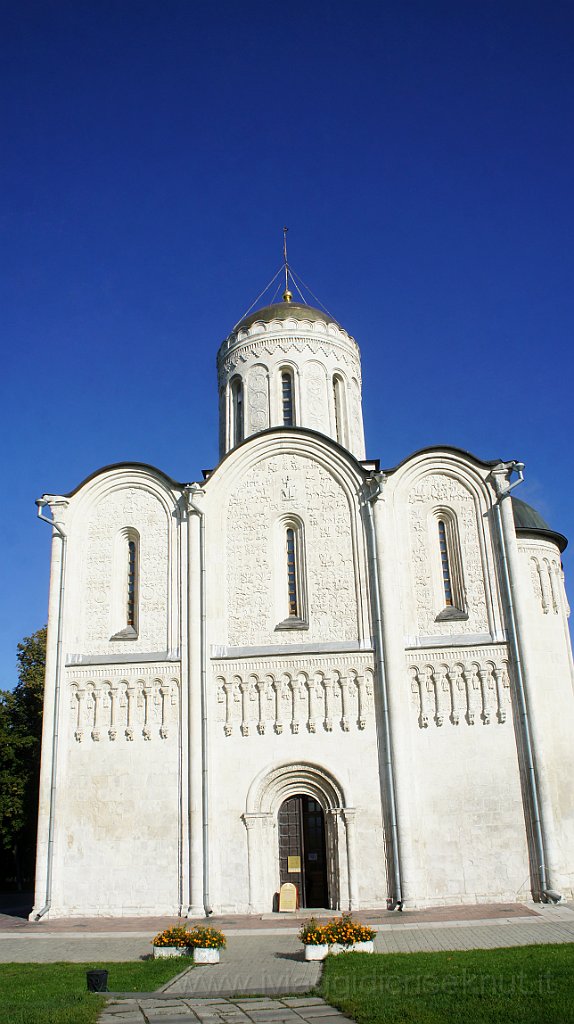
(546, 577)
(118, 708)
(250, 704)
(258, 399)
(276, 486)
(317, 412)
(346, 351)
(130, 507)
(453, 691)
(432, 491)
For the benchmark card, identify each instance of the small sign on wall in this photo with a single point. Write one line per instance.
(293, 865)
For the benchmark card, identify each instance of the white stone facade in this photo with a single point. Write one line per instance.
(384, 652)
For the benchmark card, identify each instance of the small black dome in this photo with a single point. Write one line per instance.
(528, 520)
(284, 310)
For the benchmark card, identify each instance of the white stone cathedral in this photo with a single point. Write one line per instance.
(302, 668)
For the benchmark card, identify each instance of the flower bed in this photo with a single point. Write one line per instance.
(182, 941)
(340, 935)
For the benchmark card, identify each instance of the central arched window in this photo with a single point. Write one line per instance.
(237, 431)
(290, 574)
(450, 600)
(131, 583)
(292, 597)
(287, 405)
(445, 564)
(125, 585)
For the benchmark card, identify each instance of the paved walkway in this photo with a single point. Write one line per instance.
(270, 963)
(290, 1010)
(509, 925)
(265, 958)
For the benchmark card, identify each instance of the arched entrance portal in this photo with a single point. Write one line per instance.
(302, 850)
(279, 797)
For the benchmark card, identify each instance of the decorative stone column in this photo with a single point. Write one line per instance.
(257, 826)
(349, 819)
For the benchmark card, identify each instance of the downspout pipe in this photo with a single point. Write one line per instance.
(381, 675)
(41, 503)
(190, 490)
(548, 894)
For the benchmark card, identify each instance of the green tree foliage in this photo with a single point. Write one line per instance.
(20, 742)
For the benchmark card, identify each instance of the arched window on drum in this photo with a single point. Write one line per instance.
(287, 398)
(237, 412)
(340, 409)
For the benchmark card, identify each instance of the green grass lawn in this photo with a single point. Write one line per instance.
(521, 985)
(57, 993)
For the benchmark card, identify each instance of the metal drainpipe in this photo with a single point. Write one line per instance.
(190, 490)
(41, 503)
(522, 707)
(382, 680)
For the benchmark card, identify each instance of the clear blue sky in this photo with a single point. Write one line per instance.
(421, 152)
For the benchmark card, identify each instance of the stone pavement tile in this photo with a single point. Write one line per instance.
(278, 1013)
(135, 1015)
(316, 1012)
(206, 1000)
(255, 1004)
(303, 1001)
(184, 1018)
(336, 1018)
(173, 1010)
(129, 1015)
(151, 1003)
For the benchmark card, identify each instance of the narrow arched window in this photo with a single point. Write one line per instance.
(292, 597)
(126, 585)
(290, 576)
(445, 564)
(339, 404)
(287, 398)
(132, 582)
(237, 410)
(450, 593)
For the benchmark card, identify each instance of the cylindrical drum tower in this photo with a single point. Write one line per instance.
(289, 365)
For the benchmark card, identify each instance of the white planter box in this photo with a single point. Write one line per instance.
(357, 947)
(318, 952)
(363, 947)
(205, 956)
(165, 951)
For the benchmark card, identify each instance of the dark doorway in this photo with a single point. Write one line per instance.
(302, 858)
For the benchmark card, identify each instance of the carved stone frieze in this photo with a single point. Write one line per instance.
(547, 579)
(471, 687)
(110, 705)
(292, 699)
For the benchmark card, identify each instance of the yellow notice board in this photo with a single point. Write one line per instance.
(287, 897)
(294, 864)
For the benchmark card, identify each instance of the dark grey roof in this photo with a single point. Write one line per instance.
(528, 520)
(283, 310)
